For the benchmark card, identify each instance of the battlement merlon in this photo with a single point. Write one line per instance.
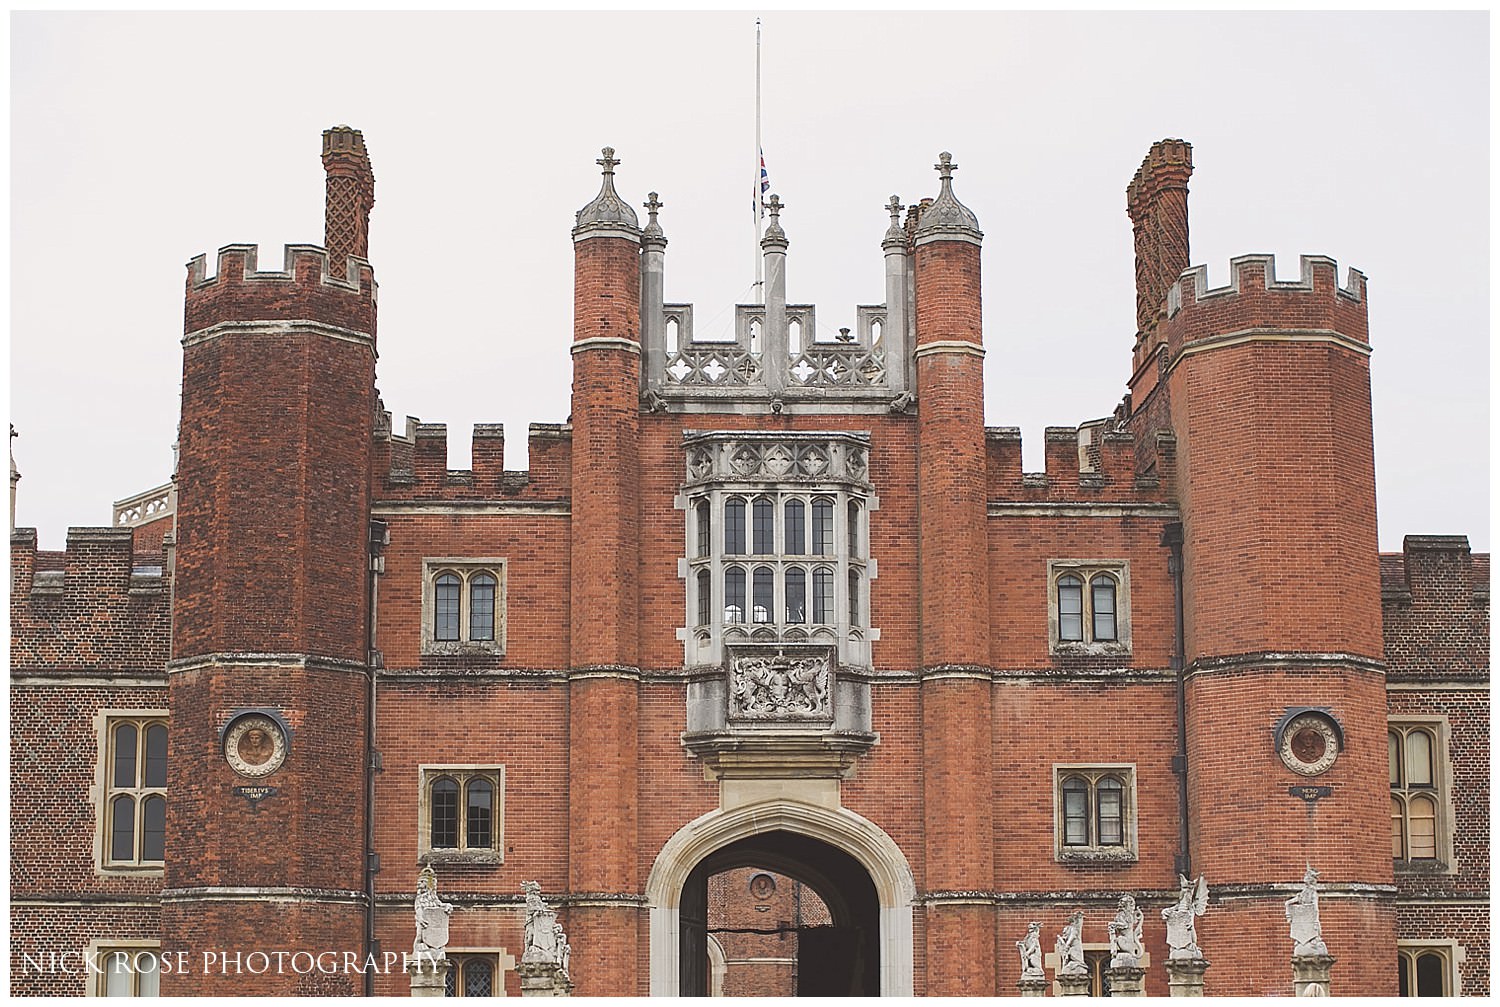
(305, 289)
(414, 465)
(97, 560)
(1255, 300)
(1089, 462)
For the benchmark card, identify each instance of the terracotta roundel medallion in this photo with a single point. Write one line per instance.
(255, 746)
(1309, 745)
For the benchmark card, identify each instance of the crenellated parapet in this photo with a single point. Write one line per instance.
(101, 605)
(1256, 303)
(1084, 464)
(413, 465)
(306, 289)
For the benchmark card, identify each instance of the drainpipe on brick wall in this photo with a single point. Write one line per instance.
(380, 537)
(1171, 537)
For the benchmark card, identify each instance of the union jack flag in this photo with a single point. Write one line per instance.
(765, 183)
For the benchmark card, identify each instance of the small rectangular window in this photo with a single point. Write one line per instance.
(459, 818)
(1088, 606)
(463, 605)
(1095, 813)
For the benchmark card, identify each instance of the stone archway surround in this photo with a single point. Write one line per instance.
(840, 828)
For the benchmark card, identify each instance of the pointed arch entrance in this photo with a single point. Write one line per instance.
(849, 860)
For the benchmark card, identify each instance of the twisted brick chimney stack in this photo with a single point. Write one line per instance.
(351, 194)
(1157, 201)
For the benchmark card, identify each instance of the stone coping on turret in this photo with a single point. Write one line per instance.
(240, 264)
(1315, 272)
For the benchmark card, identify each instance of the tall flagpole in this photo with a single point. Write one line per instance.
(759, 261)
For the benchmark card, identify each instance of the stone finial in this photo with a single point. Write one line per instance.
(1182, 933)
(607, 211)
(895, 235)
(653, 233)
(1302, 914)
(946, 218)
(432, 917)
(774, 234)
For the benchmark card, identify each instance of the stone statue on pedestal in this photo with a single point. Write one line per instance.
(1302, 914)
(1182, 933)
(1069, 948)
(541, 927)
(432, 917)
(1127, 935)
(1031, 953)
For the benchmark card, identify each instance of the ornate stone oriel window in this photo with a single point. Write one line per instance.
(132, 788)
(1088, 606)
(463, 606)
(1418, 759)
(777, 543)
(461, 814)
(1095, 812)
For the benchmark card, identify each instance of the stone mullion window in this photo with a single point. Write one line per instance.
(1420, 834)
(461, 814)
(463, 606)
(1095, 813)
(132, 791)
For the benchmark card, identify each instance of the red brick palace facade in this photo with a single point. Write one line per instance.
(774, 668)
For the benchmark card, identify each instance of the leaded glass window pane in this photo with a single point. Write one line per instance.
(853, 528)
(1423, 816)
(147, 974)
(1111, 812)
(444, 813)
(1419, 759)
(1069, 608)
(734, 595)
(156, 755)
(705, 528)
(1103, 589)
(122, 828)
(1393, 745)
(448, 589)
(854, 597)
(796, 528)
(734, 527)
(763, 531)
(822, 530)
(705, 598)
(479, 978)
(1431, 970)
(118, 975)
(479, 826)
(765, 593)
(1398, 830)
(796, 595)
(482, 607)
(822, 595)
(1075, 812)
(153, 827)
(125, 755)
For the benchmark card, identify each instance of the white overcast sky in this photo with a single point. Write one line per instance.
(139, 141)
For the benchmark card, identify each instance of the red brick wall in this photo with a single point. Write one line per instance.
(273, 509)
(1437, 644)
